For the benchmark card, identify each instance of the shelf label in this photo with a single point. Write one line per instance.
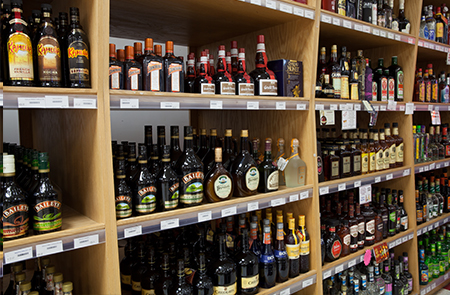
(391, 245)
(433, 286)
(446, 164)
(376, 32)
(376, 108)
(204, 216)
(357, 183)
(301, 106)
(398, 37)
(409, 108)
(411, 236)
(365, 194)
(286, 291)
(426, 168)
(438, 165)
(420, 169)
(402, 108)
(436, 108)
(327, 274)
(324, 190)
(342, 107)
(169, 105)
(391, 35)
(366, 29)
(56, 101)
(320, 107)
(389, 176)
(280, 105)
(31, 102)
(419, 232)
(404, 239)
(430, 227)
(398, 242)
(377, 179)
(49, 248)
(86, 241)
(336, 21)
(308, 14)
(252, 206)
(271, 4)
(252, 105)
(392, 105)
(277, 202)
(342, 187)
(18, 255)
(285, 8)
(339, 268)
(256, 2)
(304, 195)
(445, 220)
(430, 107)
(129, 103)
(358, 27)
(432, 166)
(326, 18)
(333, 107)
(298, 11)
(411, 40)
(349, 107)
(171, 223)
(406, 172)
(216, 104)
(347, 24)
(383, 108)
(351, 263)
(132, 231)
(293, 198)
(84, 103)
(446, 277)
(383, 34)
(229, 211)
(357, 107)
(307, 282)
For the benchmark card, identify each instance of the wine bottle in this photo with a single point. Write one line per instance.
(208, 159)
(292, 242)
(228, 156)
(244, 83)
(223, 270)
(123, 195)
(265, 82)
(247, 267)
(165, 283)
(150, 276)
(295, 170)
(132, 168)
(281, 255)
(268, 181)
(138, 269)
(218, 184)
(167, 192)
(304, 244)
(181, 287)
(202, 283)
(144, 193)
(267, 262)
(115, 69)
(255, 244)
(204, 83)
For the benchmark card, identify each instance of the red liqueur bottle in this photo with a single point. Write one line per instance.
(265, 82)
(173, 70)
(244, 83)
(223, 80)
(132, 71)
(204, 84)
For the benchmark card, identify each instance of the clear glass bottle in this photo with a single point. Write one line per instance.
(295, 171)
(431, 23)
(423, 31)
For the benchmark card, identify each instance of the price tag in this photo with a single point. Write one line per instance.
(420, 169)
(419, 232)
(252, 105)
(341, 187)
(448, 57)
(307, 283)
(49, 248)
(351, 263)
(398, 37)
(446, 277)
(323, 190)
(433, 286)
(85, 241)
(432, 166)
(383, 34)
(298, 11)
(339, 268)
(420, 43)
(432, 46)
(252, 206)
(342, 107)
(18, 255)
(286, 291)
(304, 195)
(347, 24)
(326, 19)
(398, 242)
(411, 40)
(365, 194)
(423, 292)
(358, 27)
(349, 107)
(229, 211)
(336, 21)
(391, 35)
(204, 216)
(256, 2)
(84, 103)
(216, 104)
(171, 223)
(391, 245)
(357, 183)
(333, 107)
(392, 105)
(411, 236)
(430, 227)
(301, 106)
(436, 108)
(377, 179)
(1, 99)
(382, 108)
(376, 108)
(271, 4)
(428, 289)
(60, 101)
(430, 107)
(406, 172)
(438, 165)
(308, 14)
(409, 108)
(366, 29)
(293, 198)
(285, 8)
(446, 164)
(357, 107)
(129, 103)
(404, 239)
(376, 32)
(426, 168)
(327, 274)
(31, 102)
(320, 107)
(389, 176)
(402, 108)
(445, 220)
(277, 202)
(132, 231)
(280, 105)
(169, 105)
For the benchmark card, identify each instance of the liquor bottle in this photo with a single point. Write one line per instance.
(265, 82)
(63, 31)
(443, 89)
(255, 246)
(403, 215)
(121, 55)
(218, 184)
(144, 187)
(333, 243)
(295, 171)
(398, 145)
(404, 24)
(47, 207)
(175, 150)
(223, 80)
(152, 69)
(244, 83)
(386, 150)
(354, 83)
(280, 253)
(268, 181)
(397, 286)
(78, 60)
(201, 282)
(304, 245)
(190, 172)
(49, 281)
(370, 87)
(138, 269)
(345, 74)
(181, 287)
(166, 281)
(382, 81)
(15, 269)
(173, 71)
(223, 270)
(189, 78)
(440, 25)
(115, 69)
(341, 6)
(234, 58)
(123, 195)
(155, 163)
(406, 273)
(25, 287)
(427, 86)
(150, 275)
(292, 242)
(203, 149)
(329, 5)
(208, 159)
(353, 226)
(138, 51)
(335, 70)
(397, 73)
(247, 267)
(15, 208)
(204, 83)
(434, 84)
(167, 193)
(48, 51)
(439, 197)
(132, 167)
(228, 154)
(244, 173)
(132, 71)
(267, 262)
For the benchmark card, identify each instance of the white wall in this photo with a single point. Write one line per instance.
(11, 126)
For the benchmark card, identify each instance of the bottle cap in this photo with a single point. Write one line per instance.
(16, 3)
(174, 131)
(158, 50)
(202, 131)
(74, 10)
(241, 50)
(260, 39)
(221, 47)
(25, 286)
(20, 277)
(121, 54)
(129, 52)
(187, 132)
(148, 44)
(228, 132)
(203, 53)
(44, 165)
(45, 261)
(268, 144)
(218, 154)
(137, 47)
(295, 142)
(301, 220)
(169, 46)
(213, 132)
(112, 50)
(67, 287)
(234, 44)
(244, 133)
(58, 277)
(50, 269)
(46, 7)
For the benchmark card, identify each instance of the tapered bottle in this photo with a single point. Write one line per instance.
(292, 242)
(281, 254)
(267, 262)
(150, 276)
(166, 281)
(228, 156)
(304, 245)
(204, 83)
(132, 71)
(138, 269)
(265, 81)
(173, 71)
(175, 150)
(295, 171)
(247, 267)
(202, 283)
(268, 181)
(218, 183)
(223, 79)
(181, 287)
(144, 188)
(167, 189)
(208, 159)
(123, 194)
(223, 270)
(203, 149)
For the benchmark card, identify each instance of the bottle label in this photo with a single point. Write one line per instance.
(208, 88)
(379, 161)
(145, 202)
(336, 78)
(374, 91)
(361, 228)
(225, 290)
(133, 75)
(434, 92)
(386, 158)
(391, 89)
(354, 231)
(400, 78)
(428, 92)
(47, 216)
(230, 241)
(78, 56)
(400, 153)
(173, 197)
(174, 76)
(50, 285)
(304, 247)
(223, 186)
(346, 165)
(370, 228)
(372, 161)
(354, 94)
(154, 69)
(114, 76)
(407, 28)
(191, 189)
(394, 26)
(388, 288)
(250, 282)
(272, 181)
(344, 87)
(293, 251)
(384, 89)
(20, 57)
(227, 88)
(147, 292)
(419, 215)
(268, 87)
(267, 259)
(252, 178)
(136, 286)
(346, 240)
(422, 92)
(15, 221)
(357, 163)
(125, 279)
(280, 254)
(123, 206)
(444, 95)
(336, 249)
(392, 154)
(335, 168)
(439, 30)
(320, 165)
(365, 162)
(49, 59)
(301, 175)
(404, 222)
(246, 89)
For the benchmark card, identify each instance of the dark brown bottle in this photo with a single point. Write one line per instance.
(150, 275)
(228, 156)
(361, 226)
(378, 228)
(398, 144)
(132, 71)
(123, 195)
(244, 83)
(63, 30)
(180, 287)
(138, 51)
(332, 242)
(223, 80)
(234, 58)
(175, 150)
(132, 167)
(115, 69)
(78, 56)
(369, 216)
(223, 270)
(152, 68)
(138, 269)
(167, 193)
(304, 245)
(218, 184)
(126, 265)
(247, 267)
(203, 147)
(190, 74)
(390, 141)
(280, 253)
(144, 187)
(265, 82)
(343, 232)
(48, 51)
(268, 172)
(166, 281)
(353, 226)
(155, 163)
(383, 212)
(345, 162)
(173, 71)
(202, 283)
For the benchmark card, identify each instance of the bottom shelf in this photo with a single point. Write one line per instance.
(435, 285)
(292, 285)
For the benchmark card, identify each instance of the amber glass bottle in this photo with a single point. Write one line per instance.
(132, 71)
(218, 183)
(152, 68)
(115, 69)
(173, 70)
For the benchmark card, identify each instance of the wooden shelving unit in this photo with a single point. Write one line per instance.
(79, 139)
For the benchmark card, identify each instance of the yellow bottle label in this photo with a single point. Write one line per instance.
(400, 153)
(379, 161)
(354, 92)
(365, 162)
(293, 251)
(228, 290)
(386, 158)
(125, 279)
(20, 57)
(439, 30)
(136, 286)
(304, 248)
(148, 292)
(372, 162)
(248, 283)
(344, 88)
(392, 154)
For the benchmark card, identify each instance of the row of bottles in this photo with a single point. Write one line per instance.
(354, 79)
(432, 145)
(45, 280)
(362, 151)
(434, 23)
(378, 13)
(134, 70)
(348, 227)
(44, 52)
(31, 202)
(428, 88)
(390, 277)
(185, 178)
(432, 196)
(235, 255)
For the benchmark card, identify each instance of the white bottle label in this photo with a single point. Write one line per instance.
(268, 87)
(252, 178)
(223, 186)
(272, 181)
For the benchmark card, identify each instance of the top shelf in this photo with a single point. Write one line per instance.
(200, 22)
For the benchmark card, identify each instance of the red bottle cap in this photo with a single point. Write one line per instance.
(430, 66)
(121, 54)
(112, 50)
(138, 47)
(260, 38)
(211, 56)
(204, 53)
(169, 46)
(221, 47)
(438, 10)
(420, 69)
(149, 44)
(241, 50)
(191, 55)
(234, 44)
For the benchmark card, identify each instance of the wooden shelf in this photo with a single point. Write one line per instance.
(78, 231)
(292, 285)
(1, 264)
(435, 285)
(434, 223)
(428, 166)
(356, 105)
(125, 99)
(429, 51)
(146, 224)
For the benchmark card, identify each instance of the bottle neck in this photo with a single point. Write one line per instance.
(260, 61)
(244, 144)
(188, 143)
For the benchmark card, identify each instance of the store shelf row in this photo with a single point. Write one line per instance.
(78, 231)
(432, 224)
(292, 285)
(431, 288)
(408, 108)
(353, 259)
(286, 6)
(425, 167)
(337, 185)
(146, 224)
(436, 46)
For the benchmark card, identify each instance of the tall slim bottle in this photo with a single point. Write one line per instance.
(247, 267)
(152, 69)
(167, 193)
(144, 188)
(280, 253)
(267, 262)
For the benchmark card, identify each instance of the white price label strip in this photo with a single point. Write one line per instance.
(132, 231)
(169, 105)
(252, 206)
(339, 268)
(351, 263)
(308, 14)
(293, 198)
(406, 172)
(299, 11)
(204, 216)
(84, 103)
(129, 103)
(229, 211)
(285, 8)
(304, 195)
(56, 101)
(86, 241)
(280, 105)
(49, 248)
(357, 183)
(216, 104)
(171, 223)
(252, 105)
(256, 2)
(18, 255)
(31, 102)
(301, 106)
(347, 24)
(278, 202)
(389, 176)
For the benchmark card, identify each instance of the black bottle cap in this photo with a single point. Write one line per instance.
(155, 152)
(15, 3)
(132, 150)
(142, 152)
(400, 192)
(188, 131)
(174, 131)
(166, 152)
(46, 7)
(74, 10)
(395, 124)
(35, 13)
(387, 125)
(161, 130)
(63, 16)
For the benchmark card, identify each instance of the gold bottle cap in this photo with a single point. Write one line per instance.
(289, 215)
(58, 277)
(20, 277)
(67, 287)
(323, 50)
(269, 216)
(280, 212)
(268, 210)
(203, 132)
(334, 48)
(25, 286)
(228, 132)
(45, 261)
(294, 142)
(17, 268)
(50, 269)
(279, 218)
(291, 224)
(244, 133)
(194, 131)
(213, 132)
(218, 154)
(301, 220)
